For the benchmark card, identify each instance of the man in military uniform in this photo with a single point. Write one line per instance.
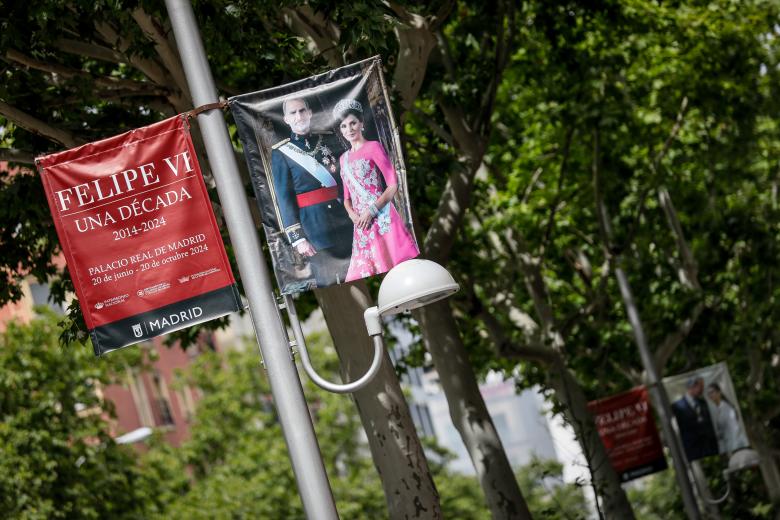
(308, 191)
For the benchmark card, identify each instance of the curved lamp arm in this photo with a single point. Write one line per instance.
(337, 388)
(717, 501)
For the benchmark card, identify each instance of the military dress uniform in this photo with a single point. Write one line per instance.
(309, 195)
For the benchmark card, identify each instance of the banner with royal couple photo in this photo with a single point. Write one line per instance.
(327, 170)
(707, 411)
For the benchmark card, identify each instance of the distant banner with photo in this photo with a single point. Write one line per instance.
(706, 409)
(626, 426)
(139, 235)
(329, 177)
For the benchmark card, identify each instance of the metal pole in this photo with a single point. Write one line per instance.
(660, 398)
(286, 387)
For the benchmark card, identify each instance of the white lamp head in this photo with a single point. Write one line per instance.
(137, 435)
(743, 459)
(412, 284)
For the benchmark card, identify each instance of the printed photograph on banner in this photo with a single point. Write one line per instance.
(707, 411)
(329, 176)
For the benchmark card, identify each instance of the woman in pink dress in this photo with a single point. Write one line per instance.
(380, 239)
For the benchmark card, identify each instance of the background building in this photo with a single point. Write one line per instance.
(147, 399)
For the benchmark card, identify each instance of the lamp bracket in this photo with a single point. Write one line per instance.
(337, 388)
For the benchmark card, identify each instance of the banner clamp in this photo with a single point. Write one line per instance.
(195, 112)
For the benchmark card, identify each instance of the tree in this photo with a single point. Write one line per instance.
(624, 108)
(58, 459)
(548, 495)
(237, 453)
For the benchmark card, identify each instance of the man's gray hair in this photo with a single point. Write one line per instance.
(693, 381)
(293, 98)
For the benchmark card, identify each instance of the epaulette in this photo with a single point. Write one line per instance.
(280, 143)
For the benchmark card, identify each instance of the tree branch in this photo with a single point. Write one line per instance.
(438, 19)
(532, 350)
(167, 52)
(656, 162)
(401, 13)
(435, 127)
(629, 373)
(322, 35)
(771, 414)
(122, 96)
(89, 50)
(17, 156)
(457, 191)
(535, 285)
(466, 139)
(673, 340)
(757, 366)
(559, 188)
(68, 72)
(35, 125)
(153, 70)
(505, 38)
(446, 55)
(415, 43)
(530, 187)
(605, 229)
(672, 134)
(452, 207)
(689, 275)
(416, 40)
(528, 352)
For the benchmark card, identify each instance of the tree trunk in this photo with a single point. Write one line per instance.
(392, 438)
(469, 413)
(614, 503)
(768, 462)
(568, 391)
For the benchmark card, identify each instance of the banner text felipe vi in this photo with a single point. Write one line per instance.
(120, 183)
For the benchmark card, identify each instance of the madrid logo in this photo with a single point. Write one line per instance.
(137, 330)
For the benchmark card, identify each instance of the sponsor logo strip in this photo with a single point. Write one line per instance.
(163, 320)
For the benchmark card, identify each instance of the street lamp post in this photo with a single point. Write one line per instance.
(659, 398)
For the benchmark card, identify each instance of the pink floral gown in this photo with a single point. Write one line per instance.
(386, 242)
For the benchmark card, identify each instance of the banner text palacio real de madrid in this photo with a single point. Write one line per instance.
(139, 235)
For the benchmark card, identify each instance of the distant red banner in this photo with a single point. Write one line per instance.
(627, 429)
(139, 235)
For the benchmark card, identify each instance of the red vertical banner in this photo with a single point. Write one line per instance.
(139, 234)
(627, 429)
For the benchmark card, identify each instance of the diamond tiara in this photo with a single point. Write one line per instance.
(344, 105)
